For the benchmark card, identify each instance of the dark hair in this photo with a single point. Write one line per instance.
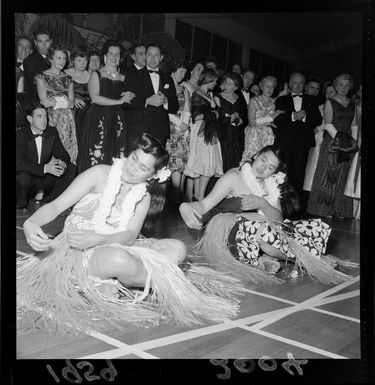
(30, 108)
(237, 80)
(157, 45)
(79, 51)
(111, 43)
(207, 76)
(237, 64)
(151, 145)
(41, 31)
(135, 46)
(313, 80)
(289, 201)
(176, 64)
(24, 38)
(249, 69)
(211, 59)
(56, 47)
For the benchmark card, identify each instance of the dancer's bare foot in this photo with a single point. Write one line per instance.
(269, 264)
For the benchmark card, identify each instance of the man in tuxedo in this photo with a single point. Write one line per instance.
(155, 97)
(23, 49)
(41, 160)
(247, 80)
(36, 62)
(294, 131)
(138, 55)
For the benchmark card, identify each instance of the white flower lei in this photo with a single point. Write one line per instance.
(108, 198)
(271, 193)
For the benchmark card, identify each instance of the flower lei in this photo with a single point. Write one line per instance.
(271, 193)
(111, 189)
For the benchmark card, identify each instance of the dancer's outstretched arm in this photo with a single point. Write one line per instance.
(192, 212)
(92, 180)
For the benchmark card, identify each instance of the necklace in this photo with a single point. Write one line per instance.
(341, 99)
(112, 74)
(108, 199)
(270, 192)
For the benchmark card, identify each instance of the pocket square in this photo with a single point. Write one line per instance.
(166, 86)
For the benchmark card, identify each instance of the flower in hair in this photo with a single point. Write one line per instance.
(280, 177)
(163, 174)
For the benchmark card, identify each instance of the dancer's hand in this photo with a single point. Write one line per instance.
(83, 239)
(36, 237)
(190, 216)
(252, 202)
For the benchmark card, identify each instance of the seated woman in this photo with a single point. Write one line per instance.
(249, 236)
(84, 277)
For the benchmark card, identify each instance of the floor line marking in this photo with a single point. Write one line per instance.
(311, 301)
(115, 342)
(191, 334)
(295, 343)
(271, 296)
(336, 298)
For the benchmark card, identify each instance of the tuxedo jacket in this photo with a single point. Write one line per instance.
(32, 65)
(151, 119)
(27, 153)
(289, 134)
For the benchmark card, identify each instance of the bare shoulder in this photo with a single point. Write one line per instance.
(97, 175)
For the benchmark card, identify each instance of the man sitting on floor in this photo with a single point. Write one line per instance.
(41, 160)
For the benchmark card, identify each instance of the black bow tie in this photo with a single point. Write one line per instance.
(18, 64)
(153, 72)
(37, 135)
(245, 90)
(297, 96)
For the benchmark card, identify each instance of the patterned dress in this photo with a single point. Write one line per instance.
(257, 137)
(104, 136)
(61, 118)
(178, 145)
(327, 192)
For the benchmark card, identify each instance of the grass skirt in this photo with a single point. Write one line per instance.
(213, 246)
(54, 291)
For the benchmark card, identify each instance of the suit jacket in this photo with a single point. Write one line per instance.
(32, 65)
(27, 153)
(289, 133)
(154, 120)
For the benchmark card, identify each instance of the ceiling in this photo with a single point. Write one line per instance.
(306, 32)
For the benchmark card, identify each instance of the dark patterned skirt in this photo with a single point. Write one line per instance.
(104, 137)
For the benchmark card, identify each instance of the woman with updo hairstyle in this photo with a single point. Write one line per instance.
(205, 159)
(327, 198)
(105, 133)
(261, 113)
(232, 114)
(55, 91)
(80, 76)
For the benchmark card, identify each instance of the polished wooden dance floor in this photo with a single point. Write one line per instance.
(301, 317)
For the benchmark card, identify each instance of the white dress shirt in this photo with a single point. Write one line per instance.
(246, 95)
(297, 101)
(38, 142)
(155, 79)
